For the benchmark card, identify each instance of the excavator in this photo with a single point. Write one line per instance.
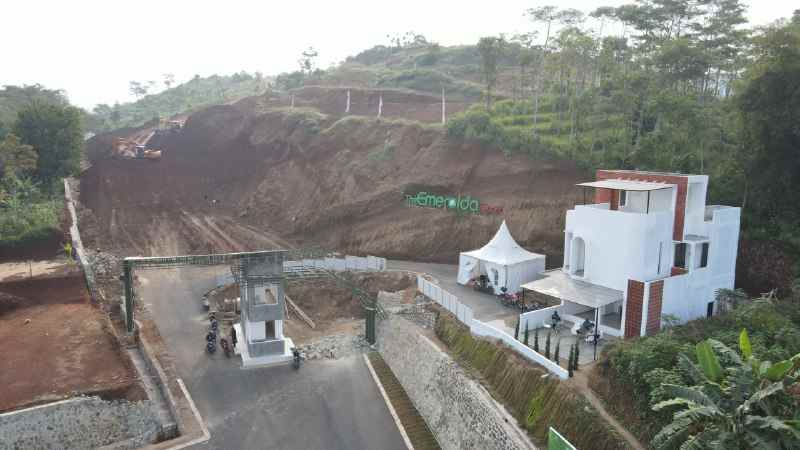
(131, 149)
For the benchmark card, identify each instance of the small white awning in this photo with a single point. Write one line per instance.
(626, 185)
(556, 283)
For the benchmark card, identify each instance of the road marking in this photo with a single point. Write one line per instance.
(206, 435)
(388, 404)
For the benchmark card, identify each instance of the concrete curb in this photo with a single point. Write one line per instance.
(389, 404)
(206, 434)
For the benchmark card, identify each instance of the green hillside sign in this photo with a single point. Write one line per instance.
(458, 203)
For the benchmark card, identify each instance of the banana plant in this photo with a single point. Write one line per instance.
(745, 404)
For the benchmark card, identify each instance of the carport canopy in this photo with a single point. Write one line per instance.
(556, 283)
(626, 185)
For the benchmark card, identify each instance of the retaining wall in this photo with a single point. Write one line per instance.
(77, 244)
(459, 411)
(80, 423)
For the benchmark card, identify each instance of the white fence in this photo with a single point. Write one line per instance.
(538, 318)
(447, 300)
(478, 328)
(348, 263)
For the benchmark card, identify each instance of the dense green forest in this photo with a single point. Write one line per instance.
(41, 141)
(189, 96)
(15, 98)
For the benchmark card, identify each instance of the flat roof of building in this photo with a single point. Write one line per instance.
(557, 283)
(626, 185)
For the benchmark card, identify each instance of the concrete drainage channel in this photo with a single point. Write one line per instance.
(415, 428)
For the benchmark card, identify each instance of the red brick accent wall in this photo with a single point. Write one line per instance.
(677, 271)
(602, 195)
(654, 308)
(680, 203)
(633, 309)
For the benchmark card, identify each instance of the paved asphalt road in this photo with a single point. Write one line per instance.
(485, 307)
(331, 404)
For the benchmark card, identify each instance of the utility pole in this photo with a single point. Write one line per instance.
(380, 105)
(347, 109)
(292, 106)
(444, 108)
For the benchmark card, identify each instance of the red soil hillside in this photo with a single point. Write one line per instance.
(298, 177)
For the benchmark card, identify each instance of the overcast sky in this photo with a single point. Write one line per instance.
(93, 48)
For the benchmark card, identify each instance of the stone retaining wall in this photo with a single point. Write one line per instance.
(77, 244)
(459, 411)
(80, 423)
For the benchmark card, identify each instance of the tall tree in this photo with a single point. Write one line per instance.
(56, 133)
(544, 15)
(16, 158)
(137, 89)
(169, 80)
(308, 60)
(770, 117)
(490, 49)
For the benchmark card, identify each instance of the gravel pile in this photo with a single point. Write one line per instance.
(104, 264)
(335, 346)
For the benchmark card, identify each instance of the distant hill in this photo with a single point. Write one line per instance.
(422, 66)
(196, 93)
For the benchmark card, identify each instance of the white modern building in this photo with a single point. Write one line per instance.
(648, 247)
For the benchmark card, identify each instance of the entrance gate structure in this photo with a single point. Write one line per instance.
(260, 276)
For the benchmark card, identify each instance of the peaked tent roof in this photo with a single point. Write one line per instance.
(503, 250)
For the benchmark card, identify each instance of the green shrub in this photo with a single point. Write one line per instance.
(29, 222)
(636, 368)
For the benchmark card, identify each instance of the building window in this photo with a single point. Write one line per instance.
(658, 269)
(704, 255)
(623, 198)
(680, 255)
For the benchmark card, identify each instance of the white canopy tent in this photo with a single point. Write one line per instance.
(503, 261)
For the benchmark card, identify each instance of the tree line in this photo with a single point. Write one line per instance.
(681, 86)
(42, 145)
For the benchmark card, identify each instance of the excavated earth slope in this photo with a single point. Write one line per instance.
(248, 176)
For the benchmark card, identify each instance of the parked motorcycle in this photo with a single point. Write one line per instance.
(225, 347)
(211, 342)
(296, 358)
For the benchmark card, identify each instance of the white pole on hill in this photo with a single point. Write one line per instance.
(292, 100)
(444, 108)
(347, 109)
(380, 105)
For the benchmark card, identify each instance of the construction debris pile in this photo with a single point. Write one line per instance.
(103, 264)
(335, 346)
